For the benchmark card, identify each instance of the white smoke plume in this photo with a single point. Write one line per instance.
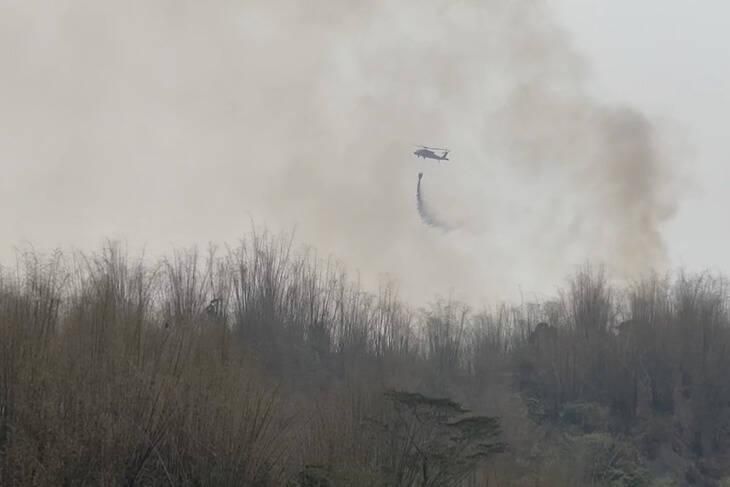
(169, 122)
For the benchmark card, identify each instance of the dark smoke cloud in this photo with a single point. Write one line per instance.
(171, 122)
(609, 160)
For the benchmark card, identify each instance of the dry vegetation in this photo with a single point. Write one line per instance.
(264, 366)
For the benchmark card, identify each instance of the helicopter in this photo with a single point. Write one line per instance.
(428, 153)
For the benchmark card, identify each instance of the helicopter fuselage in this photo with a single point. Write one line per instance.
(427, 154)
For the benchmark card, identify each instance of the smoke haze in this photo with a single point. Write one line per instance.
(174, 122)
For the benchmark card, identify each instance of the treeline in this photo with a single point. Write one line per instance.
(267, 365)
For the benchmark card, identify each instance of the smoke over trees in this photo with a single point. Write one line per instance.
(165, 123)
(192, 118)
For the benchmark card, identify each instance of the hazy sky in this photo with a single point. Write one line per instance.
(580, 131)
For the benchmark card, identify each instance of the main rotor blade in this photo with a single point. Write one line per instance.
(432, 148)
